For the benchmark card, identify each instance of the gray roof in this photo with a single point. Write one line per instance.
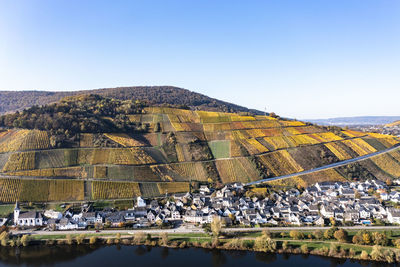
(30, 215)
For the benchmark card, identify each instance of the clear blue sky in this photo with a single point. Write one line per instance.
(301, 59)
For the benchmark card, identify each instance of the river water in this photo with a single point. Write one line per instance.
(86, 256)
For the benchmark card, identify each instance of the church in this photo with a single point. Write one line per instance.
(28, 218)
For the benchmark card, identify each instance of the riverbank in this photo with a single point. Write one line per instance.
(249, 241)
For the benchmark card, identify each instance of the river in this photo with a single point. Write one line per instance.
(86, 256)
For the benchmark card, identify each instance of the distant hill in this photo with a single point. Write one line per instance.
(393, 124)
(11, 101)
(91, 147)
(362, 120)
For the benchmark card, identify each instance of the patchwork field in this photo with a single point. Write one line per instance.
(180, 146)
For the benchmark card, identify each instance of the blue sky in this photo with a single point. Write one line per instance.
(300, 59)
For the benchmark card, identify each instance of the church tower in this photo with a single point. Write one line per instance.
(16, 212)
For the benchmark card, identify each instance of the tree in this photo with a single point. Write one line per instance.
(366, 237)
(318, 234)
(357, 194)
(79, 239)
(267, 233)
(332, 221)
(341, 235)
(216, 226)
(357, 239)
(164, 238)
(139, 237)
(296, 234)
(380, 239)
(25, 240)
(118, 238)
(328, 234)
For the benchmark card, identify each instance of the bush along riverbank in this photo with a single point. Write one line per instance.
(294, 242)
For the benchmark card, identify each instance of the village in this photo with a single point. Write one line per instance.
(370, 202)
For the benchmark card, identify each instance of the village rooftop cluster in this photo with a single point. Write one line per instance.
(346, 203)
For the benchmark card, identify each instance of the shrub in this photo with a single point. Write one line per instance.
(352, 252)
(333, 250)
(139, 238)
(324, 250)
(285, 245)
(396, 243)
(234, 244)
(93, 240)
(68, 239)
(377, 253)
(318, 234)
(304, 249)
(183, 245)
(364, 255)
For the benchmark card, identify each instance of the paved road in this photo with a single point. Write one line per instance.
(330, 166)
(194, 230)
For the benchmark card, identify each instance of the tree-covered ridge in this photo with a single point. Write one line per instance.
(154, 95)
(78, 114)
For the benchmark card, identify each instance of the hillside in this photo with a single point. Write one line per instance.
(11, 101)
(154, 150)
(393, 124)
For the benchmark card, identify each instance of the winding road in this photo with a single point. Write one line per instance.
(325, 167)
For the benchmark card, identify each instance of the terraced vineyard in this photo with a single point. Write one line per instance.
(182, 146)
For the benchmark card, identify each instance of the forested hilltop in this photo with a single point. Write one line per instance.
(154, 95)
(91, 147)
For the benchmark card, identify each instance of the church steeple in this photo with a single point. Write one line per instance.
(16, 212)
(16, 206)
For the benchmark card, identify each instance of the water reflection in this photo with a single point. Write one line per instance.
(145, 255)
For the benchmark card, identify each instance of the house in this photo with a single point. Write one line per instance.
(89, 217)
(140, 202)
(67, 224)
(319, 221)
(53, 214)
(393, 216)
(29, 219)
(351, 215)
(327, 211)
(204, 190)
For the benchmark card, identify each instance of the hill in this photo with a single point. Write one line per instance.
(362, 120)
(11, 101)
(117, 149)
(393, 124)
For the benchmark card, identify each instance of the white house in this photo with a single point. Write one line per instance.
(393, 216)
